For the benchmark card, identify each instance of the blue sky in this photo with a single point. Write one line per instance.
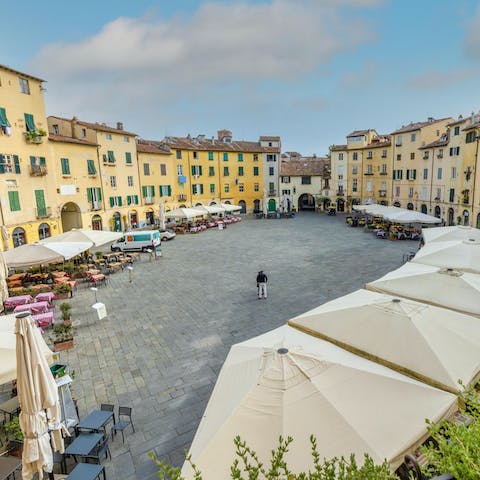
(310, 71)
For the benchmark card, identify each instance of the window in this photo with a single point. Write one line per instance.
(256, 187)
(91, 167)
(29, 122)
(94, 196)
(340, 156)
(55, 129)
(271, 171)
(439, 173)
(271, 157)
(179, 170)
(179, 154)
(397, 191)
(456, 130)
(399, 141)
(452, 195)
(454, 172)
(19, 237)
(285, 179)
(113, 181)
(255, 171)
(424, 193)
(212, 188)
(354, 170)
(128, 158)
(306, 180)
(195, 155)
(384, 169)
(14, 201)
(111, 156)
(130, 181)
(471, 137)
(65, 166)
(240, 187)
(355, 155)
(255, 157)
(286, 192)
(410, 191)
(226, 188)
(439, 194)
(425, 173)
(454, 151)
(84, 132)
(240, 157)
(225, 172)
(163, 169)
(399, 156)
(370, 154)
(369, 170)
(210, 155)
(44, 231)
(412, 155)
(115, 201)
(271, 188)
(413, 137)
(240, 171)
(108, 136)
(426, 154)
(411, 174)
(397, 174)
(146, 169)
(197, 170)
(354, 185)
(132, 199)
(384, 154)
(148, 192)
(126, 139)
(211, 171)
(24, 86)
(225, 157)
(165, 190)
(440, 153)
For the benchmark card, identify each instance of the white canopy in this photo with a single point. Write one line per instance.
(438, 286)
(462, 255)
(230, 208)
(185, 213)
(410, 216)
(97, 237)
(350, 404)
(8, 362)
(210, 208)
(433, 344)
(41, 253)
(445, 234)
(375, 209)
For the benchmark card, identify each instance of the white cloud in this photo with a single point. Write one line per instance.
(438, 80)
(472, 43)
(154, 61)
(361, 78)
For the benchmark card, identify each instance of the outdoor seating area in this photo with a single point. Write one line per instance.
(199, 225)
(384, 229)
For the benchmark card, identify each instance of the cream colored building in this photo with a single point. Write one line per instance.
(339, 176)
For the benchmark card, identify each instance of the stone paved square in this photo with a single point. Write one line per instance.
(168, 332)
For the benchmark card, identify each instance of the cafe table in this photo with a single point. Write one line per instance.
(10, 407)
(36, 307)
(45, 297)
(87, 471)
(12, 302)
(84, 444)
(8, 465)
(95, 420)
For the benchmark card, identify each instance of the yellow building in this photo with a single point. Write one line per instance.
(28, 210)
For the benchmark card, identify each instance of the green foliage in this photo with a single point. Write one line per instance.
(455, 446)
(62, 333)
(69, 268)
(62, 288)
(13, 430)
(247, 466)
(66, 309)
(99, 254)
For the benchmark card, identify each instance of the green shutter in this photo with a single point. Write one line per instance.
(193, 170)
(43, 162)
(128, 200)
(65, 166)
(89, 195)
(29, 122)
(255, 171)
(136, 200)
(33, 160)
(169, 190)
(210, 155)
(111, 156)
(91, 167)
(160, 190)
(14, 201)
(200, 170)
(3, 118)
(240, 157)
(16, 163)
(201, 188)
(144, 191)
(112, 202)
(128, 157)
(104, 158)
(40, 201)
(119, 201)
(99, 194)
(2, 165)
(225, 157)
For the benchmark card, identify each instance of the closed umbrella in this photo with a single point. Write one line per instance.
(38, 398)
(97, 237)
(3, 279)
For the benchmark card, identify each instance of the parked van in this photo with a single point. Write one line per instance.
(140, 241)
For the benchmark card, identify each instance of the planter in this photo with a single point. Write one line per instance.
(62, 295)
(15, 448)
(65, 345)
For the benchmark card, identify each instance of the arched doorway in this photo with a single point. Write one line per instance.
(199, 204)
(117, 222)
(409, 206)
(228, 202)
(212, 203)
(437, 212)
(478, 220)
(97, 222)
(133, 218)
(465, 215)
(256, 206)
(383, 202)
(451, 214)
(326, 203)
(396, 204)
(340, 204)
(306, 202)
(19, 237)
(149, 216)
(241, 203)
(44, 231)
(71, 217)
(272, 205)
(423, 208)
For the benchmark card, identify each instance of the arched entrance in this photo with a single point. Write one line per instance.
(71, 217)
(451, 214)
(409, 206)
(241, 203)
(340, 205)
(306, 202)
(212, 203)
(44, 231)
(423, 208)
(272, 205)
(180, 206)
(149, 216)
(97, 222)
(326, 203)
(228, 202)
(383, 202)
(19, 237)
(465, 215)
(396, 204)
(256, 206)
(199, 204)
(133, 219)
(478, 220)
(437, 212)
(117, 222)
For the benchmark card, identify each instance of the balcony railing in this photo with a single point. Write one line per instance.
(439, 155)
(466, 200)
(382, 193)
(96, 205)
(368, 173)
(272, 193)
(340, 193)
(148, 200)
(38, 170)
(181, 198)
(383, 173)
(43, 212)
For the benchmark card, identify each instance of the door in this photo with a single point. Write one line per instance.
(272, 205)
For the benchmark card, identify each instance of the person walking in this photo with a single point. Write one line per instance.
(262, 285)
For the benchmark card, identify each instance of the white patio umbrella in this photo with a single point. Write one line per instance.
(288, 383)
(461, 255)
(410, 216)
(8, 341)
(184, 212)
(211, 209)
(97, 237)
(38, 398)
(446, 234)
(443, 287)
(435, 345)
(40, 254)
(230, 208)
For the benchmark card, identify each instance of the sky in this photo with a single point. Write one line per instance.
(310, 71)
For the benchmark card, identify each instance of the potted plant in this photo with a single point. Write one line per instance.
(66, 309)
(99, 255)
(62, 291)
(14, 436)
(62, 337)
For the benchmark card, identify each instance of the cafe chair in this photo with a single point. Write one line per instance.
(107, 407)
(99, 452)
(121, 425)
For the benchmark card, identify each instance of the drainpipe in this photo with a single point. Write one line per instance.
(4, 229)
(474, 175)
(101, 184)
(431, 178)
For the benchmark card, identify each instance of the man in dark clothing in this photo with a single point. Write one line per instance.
(262, 284)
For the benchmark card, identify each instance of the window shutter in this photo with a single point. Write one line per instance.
(414, 174)
(33, 160)
(160, 189)
(40, 201)
(14, 201)
(104, 158)
(29, 122)
(200, 170)
(136, 199)
(169, 190)
(43, 162)
(144, 191)
(128, 200)
(119, 201)
(2, 165)
(201, 188)
(16, 163)
(99, 194)
(112, 202)
(128, 157)
(89, 195)
(3, 118)
(193, 169)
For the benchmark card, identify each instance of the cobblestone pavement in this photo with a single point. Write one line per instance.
(168, 332)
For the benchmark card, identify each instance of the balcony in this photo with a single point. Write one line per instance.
(181, 198)
(368, 173)
(95, 205)
(340, 193)
(439, 155)
(272, 193)
(382, 193)
(34, 136)
(148, 200)
(43, 212)
(383, 173)
(466, 200)
(384, 155)
(38, 170)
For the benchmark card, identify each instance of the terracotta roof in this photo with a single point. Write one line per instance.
(269, 139)
(146, 147)
(65, 139)
(105, 128)
(380, 141)
(456, 122)
(357, 133)
(305, 166)
(192, 143)
(441, 142)
(338, 147)
(418, 125)
(26, 75)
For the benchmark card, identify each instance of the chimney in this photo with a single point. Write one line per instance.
(430, 119)
(119, 126)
